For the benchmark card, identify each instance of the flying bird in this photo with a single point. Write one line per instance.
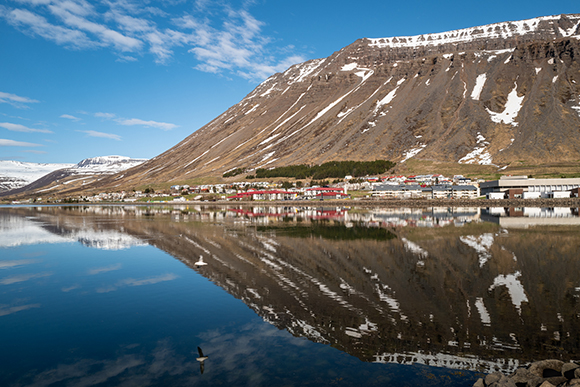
(201, 359)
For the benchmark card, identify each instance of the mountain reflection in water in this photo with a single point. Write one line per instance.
(435, 286)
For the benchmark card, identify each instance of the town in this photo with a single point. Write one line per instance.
(430, 186)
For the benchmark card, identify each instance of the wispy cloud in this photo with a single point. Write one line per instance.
(17, 263)
(6, 310)
(13, 99)
(93, 133)
(222, 38)
(22, 278)
(138, 282)
(21, 128)
(153, 124)
(99, 270)
(5, 142)
(68, 116)
(36, 152)
(105, 115)
(70, 288)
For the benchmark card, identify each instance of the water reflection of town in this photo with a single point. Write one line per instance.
(438, 286)
(523, 217)
(376, 217)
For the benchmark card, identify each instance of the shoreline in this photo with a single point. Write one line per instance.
(367, 202)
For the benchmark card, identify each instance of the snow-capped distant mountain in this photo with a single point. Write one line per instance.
(105, 164)
(16, 174)
(71, 175)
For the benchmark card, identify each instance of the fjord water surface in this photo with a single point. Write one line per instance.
(112, 296)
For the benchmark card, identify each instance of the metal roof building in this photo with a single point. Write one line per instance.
(529, 184)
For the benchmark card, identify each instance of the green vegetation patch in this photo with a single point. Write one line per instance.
(331, 231)
(331, 169)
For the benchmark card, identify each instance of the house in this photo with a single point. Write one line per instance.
(331, 195)
(388, 191)
(397, 191)
(315, 191)
(464, 191)
(441, 191)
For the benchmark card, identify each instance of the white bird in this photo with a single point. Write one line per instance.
(200, 262)
(201, 359)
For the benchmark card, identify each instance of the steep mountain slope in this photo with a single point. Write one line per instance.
(73, 178)
(488, 95)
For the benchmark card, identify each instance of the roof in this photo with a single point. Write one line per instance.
(324, 189)
(464, 188)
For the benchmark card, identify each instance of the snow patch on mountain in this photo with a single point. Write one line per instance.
(105, 165)
(502, 30)
(477, 89)
(412, 152)
(481, 244)
(349, 67)
(511, 110)
(514, 286)
(479, 155)
(304, 70)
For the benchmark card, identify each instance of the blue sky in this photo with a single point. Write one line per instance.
(121, 77)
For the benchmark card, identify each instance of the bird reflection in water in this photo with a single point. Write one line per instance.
(201, 359)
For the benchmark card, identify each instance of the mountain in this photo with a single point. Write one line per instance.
(16, 174)
(491, 95)
(74, 177)
(488, 95)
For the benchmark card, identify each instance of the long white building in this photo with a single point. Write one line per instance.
(544, 186)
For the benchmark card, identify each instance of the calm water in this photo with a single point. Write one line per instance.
(117, 295)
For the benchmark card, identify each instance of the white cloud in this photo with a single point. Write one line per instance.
(5, 142)
(221, 38)
(239, 46)
(21, 128)
(153, 124)
(13, 99)
(34, 24)
(105, 115)
(70, 117)
(93, 133)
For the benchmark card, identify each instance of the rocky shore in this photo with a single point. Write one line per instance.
(545, 373)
